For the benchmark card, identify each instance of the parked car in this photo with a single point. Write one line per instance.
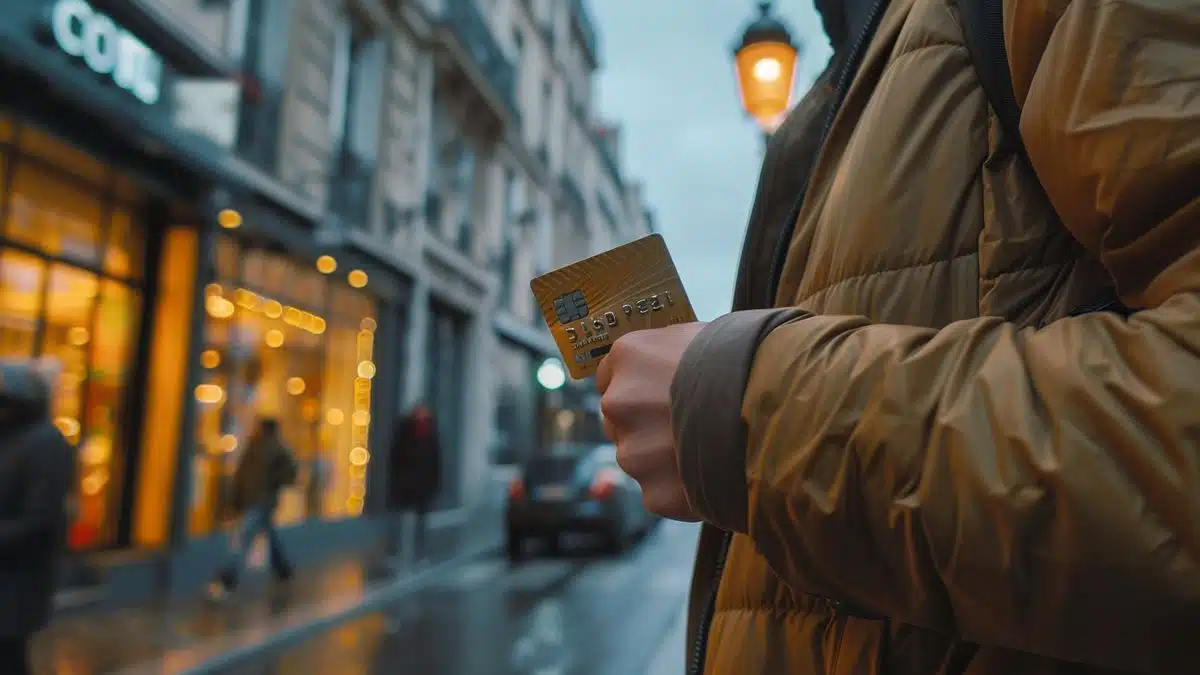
(575, 488)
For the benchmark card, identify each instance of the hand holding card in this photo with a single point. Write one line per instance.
(591, 303)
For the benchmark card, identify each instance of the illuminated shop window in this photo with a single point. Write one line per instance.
(71, 261)
(283, 340)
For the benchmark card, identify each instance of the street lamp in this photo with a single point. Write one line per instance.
(551, 374)
(765, 59)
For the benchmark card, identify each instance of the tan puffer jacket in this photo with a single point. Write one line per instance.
(935, 470)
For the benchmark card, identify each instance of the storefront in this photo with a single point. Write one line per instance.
(93, 180)
(72, 288)
(297, 332)
(285, 341)
(174, 337)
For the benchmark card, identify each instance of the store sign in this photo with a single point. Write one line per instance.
(107, 49)
(208, 107)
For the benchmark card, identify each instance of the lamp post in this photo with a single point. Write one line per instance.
(765, 63)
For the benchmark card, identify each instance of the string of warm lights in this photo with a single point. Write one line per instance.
(223, 304)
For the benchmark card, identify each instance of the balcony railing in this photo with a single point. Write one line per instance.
(608, 162)
(504, 267)
(350, 189)
(606, 212)
(574, 196)
(468, 24)
(587, 30)
(258, 124)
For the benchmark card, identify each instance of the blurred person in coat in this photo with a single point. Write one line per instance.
(416, 468)
(37, 471)
(265, 469)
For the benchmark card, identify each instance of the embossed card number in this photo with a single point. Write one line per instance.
(654, 303)
(591, 303)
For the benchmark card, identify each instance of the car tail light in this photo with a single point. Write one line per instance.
(604, 483)
(516, 489)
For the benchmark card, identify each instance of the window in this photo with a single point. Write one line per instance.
(356, 92)
(518, 404)
(237, 28)
(464, 170)
(356, 108)
(71, 261)
(285, 342)
(257, 39)
(510, 198)
(444, 385)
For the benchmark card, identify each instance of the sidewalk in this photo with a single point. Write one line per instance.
(197, 636)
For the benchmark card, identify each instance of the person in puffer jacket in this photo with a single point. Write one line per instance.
(911, 452)
(37, 475)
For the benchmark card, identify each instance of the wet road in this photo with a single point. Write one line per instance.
(583, 613)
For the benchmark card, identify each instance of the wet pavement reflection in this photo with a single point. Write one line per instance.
(125, 637)
(582, 613)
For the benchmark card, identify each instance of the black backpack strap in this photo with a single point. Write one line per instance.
(983, 28)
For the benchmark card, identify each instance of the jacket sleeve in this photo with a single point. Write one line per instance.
(1031, 489)
(48, 476)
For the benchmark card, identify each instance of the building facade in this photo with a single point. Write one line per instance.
(213, 213)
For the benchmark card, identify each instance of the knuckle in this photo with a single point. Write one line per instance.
(608, 406)
(622, 345)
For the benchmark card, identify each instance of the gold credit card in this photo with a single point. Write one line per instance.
(591, 303)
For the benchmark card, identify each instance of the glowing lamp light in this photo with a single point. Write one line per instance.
(210, 358)
(274, 338)
(296, 386)
(366, 369)
(218, 307)
(326, 264)
(209, 393)
(551, 374)
(765, 61)
(357, 278)
(229, 219)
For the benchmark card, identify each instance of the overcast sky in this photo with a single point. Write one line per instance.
(668, 78)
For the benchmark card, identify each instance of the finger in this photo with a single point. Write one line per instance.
(628, 400)
(604, 374)
(610, 430)
(647, 453)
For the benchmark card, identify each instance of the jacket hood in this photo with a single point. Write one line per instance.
(24, 393)
(845, 19)
(833, 19)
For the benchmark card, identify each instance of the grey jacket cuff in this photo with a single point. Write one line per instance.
(706, 413)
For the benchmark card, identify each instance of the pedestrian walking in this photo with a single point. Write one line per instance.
(266, 467)
(415, 477)
(37, 473)
(951, 424)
